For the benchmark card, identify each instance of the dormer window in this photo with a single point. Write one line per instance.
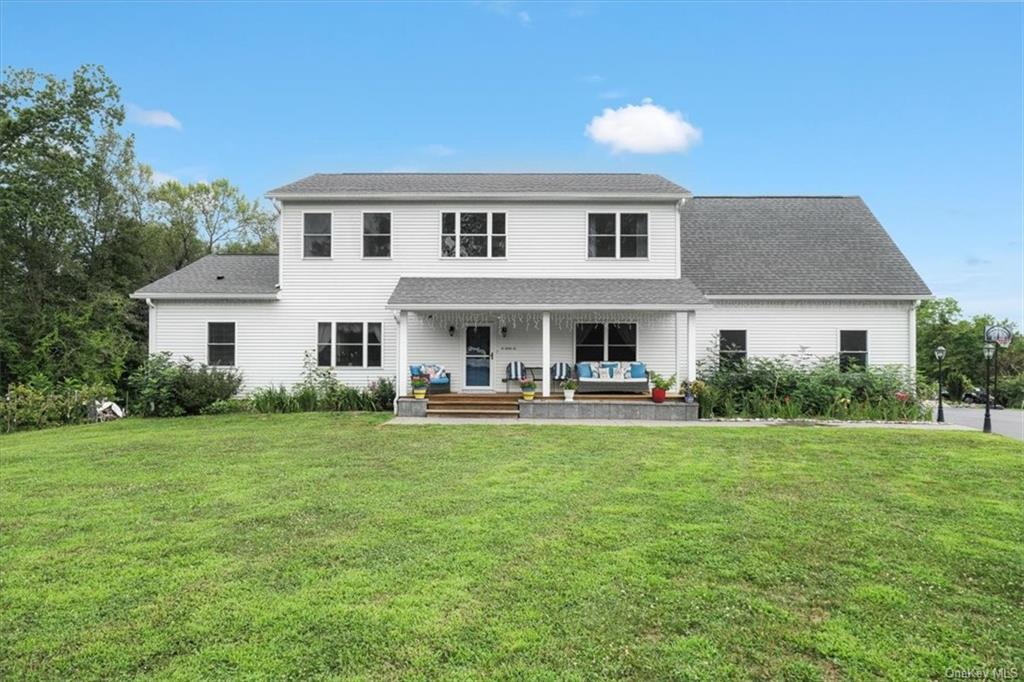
(316, 235)
(472, 235)
(616, 235)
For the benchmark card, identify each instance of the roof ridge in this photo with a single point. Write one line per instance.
(484, 173)
(776, 196)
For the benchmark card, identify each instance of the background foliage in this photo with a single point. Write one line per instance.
(82, 225)
(941, 323)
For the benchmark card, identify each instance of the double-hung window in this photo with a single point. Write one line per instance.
(376, 235)
(220, 344)
(853, 349)
(354, 344)
(617, 235)
(316, 235)
(732, 347)
(472, 235)
(598, 341)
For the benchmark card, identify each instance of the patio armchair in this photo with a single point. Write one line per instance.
(517, 371)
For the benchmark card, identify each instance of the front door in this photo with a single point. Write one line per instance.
(478, 356)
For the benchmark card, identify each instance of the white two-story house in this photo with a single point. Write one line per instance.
(378, 271)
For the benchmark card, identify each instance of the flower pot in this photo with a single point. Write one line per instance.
(658, 395)
(569, 393)
(419, 393)
(528, 395)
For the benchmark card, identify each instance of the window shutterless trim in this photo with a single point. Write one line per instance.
(365, 343)
(233, 344)
(363, 235)
(605, 345)
(490, 235)
(618, 236)
(866, 353)
(329, 234)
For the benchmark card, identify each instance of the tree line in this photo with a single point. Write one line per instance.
(83, 224)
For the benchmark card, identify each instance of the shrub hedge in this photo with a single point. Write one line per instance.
(790, 388)
(41, 405)
(164, 388)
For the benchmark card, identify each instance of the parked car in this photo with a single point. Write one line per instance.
(977, 395)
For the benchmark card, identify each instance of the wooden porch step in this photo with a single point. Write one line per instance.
(472, 412)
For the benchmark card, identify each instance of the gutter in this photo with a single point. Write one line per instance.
(540, 307)
(195, 296)
(819, 297)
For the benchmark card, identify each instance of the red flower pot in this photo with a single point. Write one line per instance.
(658, 395)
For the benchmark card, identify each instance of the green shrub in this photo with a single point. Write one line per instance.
(802, 387)
(321, 391)
(1010, 391)
(41, 406)
(164, 388)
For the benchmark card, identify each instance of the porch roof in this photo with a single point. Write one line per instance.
(475, 293)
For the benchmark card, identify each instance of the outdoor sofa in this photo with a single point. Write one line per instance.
(636, 377)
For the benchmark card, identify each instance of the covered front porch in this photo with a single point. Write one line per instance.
(492, 324)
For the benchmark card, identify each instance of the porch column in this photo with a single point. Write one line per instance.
(691, 345)
(403, 353)
(545, 344)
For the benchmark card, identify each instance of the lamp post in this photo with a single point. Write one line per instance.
(940, 355)
(990, 349)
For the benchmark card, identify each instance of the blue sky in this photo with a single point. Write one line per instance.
(915, 107)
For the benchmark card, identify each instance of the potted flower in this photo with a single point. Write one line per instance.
(529, 388)
(419, 387)
(661, 385)
(569, 389)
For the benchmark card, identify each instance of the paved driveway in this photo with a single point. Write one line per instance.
(1006, 422)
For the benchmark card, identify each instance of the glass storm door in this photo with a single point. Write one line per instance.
(478, 357)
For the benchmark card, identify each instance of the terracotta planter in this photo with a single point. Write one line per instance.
(658, 395)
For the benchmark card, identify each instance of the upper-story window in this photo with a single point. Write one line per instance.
(376, 235)
(316, 235)
(472, 235)
(617, 235)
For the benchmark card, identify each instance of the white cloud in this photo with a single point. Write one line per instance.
(643, 128)
(506, 8)
(151, 118)
(438, 150)
(612, 94)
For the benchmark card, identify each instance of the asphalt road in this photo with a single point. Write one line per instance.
(1006, 422)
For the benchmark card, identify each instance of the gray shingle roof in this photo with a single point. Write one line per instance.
(361, 184)
(791, 246)
(219, 275)
(506, 291)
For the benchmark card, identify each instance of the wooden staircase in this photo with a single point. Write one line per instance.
(468, 405)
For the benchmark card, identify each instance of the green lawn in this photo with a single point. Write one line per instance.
(336, 546)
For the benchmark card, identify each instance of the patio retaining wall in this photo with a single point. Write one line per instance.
(411, 407)
(608, 409)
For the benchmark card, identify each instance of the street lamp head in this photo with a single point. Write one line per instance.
(990, 349)
(940, 353)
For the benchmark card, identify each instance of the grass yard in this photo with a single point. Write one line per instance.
(327, 545)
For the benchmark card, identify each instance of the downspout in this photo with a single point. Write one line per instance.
(152, 324)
